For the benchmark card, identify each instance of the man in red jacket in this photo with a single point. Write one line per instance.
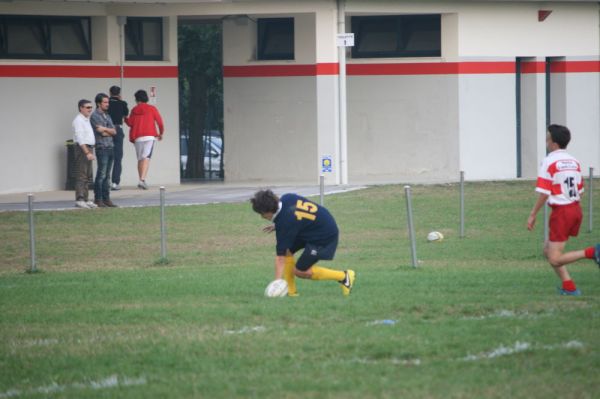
(143, 122)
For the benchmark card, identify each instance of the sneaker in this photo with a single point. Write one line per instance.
(100, 204)
(348, 282)
(81, 204)
(142, 184)
(562, 291)
(597, 254)
(115, 187)
(91, 204)
(110, 204)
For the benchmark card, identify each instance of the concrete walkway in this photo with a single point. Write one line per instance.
(182, 194)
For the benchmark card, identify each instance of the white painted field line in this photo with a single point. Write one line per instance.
(246, 330)
(393, 360)
(112, 381)
(521, 347)
(501, 314)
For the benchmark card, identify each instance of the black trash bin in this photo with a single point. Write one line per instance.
(71, 172)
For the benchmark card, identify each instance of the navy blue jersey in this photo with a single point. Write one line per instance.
(301, 222)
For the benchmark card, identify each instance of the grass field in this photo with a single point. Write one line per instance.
(480, 317)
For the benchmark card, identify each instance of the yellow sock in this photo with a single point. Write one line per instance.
(322, 273)
(288, 274)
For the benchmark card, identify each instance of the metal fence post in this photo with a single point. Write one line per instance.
(33, 268)
(590, 190)
(322, 188)
(411, 227)
(462, 204)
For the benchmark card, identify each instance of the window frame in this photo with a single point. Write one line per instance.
(44, 24)
(138, 40)
(263, 28)
(402, 24)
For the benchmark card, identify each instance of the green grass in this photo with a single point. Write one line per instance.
(480, 318)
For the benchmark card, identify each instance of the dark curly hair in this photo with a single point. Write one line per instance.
(141, 96)
(265, 201)
(560, 135)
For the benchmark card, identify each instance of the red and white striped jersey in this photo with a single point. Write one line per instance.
(560, 178)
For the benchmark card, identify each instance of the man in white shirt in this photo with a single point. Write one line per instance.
(83, 137)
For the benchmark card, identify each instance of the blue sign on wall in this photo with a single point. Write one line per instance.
(326, 164)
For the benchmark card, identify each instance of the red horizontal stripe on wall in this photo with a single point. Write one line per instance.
(151, 72)
(430, 68)
(574, 66)
(86, 71)
(533, 67)
(248, 71)
(330, 68)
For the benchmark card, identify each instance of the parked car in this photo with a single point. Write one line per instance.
(213, 148)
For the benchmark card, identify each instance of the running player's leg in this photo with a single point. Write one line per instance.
(557, 259)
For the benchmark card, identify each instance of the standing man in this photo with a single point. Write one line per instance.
(83, 137)
(560, 183)
(104, 131)
(117, 109)
(301, 224)
(144, 121)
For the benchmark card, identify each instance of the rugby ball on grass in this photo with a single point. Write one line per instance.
(276, 288)
(435, 236)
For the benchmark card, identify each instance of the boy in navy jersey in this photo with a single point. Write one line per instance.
(301, 224)
(560, 183)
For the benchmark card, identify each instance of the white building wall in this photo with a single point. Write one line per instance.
(270, 129)
(500, 29)
(403, 128)
(582, 109)
(487, 126)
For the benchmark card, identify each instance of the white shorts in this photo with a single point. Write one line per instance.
(143, 149)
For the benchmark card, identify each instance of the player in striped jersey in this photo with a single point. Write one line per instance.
(560, 184)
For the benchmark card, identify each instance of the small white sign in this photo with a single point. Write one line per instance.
(152, 95)
(345, 39)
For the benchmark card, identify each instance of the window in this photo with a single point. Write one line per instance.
(275, 39)
(144, 39)
(397, 36)
(42, 37)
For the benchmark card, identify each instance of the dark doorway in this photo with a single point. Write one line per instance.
(202, 142)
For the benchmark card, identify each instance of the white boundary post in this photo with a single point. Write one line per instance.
(411, 227)
(33, 268)
(163, 238)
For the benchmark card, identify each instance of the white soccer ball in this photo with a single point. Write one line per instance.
(435, 236)
(276, 289)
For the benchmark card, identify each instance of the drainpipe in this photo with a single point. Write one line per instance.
(343, 133)
(121, 21)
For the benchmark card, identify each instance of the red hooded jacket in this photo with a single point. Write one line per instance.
(143, 120)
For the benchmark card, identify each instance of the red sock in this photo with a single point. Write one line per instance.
(569, 285)
(589, 252)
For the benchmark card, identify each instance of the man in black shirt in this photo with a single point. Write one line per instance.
(117, 109)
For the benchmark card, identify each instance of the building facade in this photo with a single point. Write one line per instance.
(431, 88)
